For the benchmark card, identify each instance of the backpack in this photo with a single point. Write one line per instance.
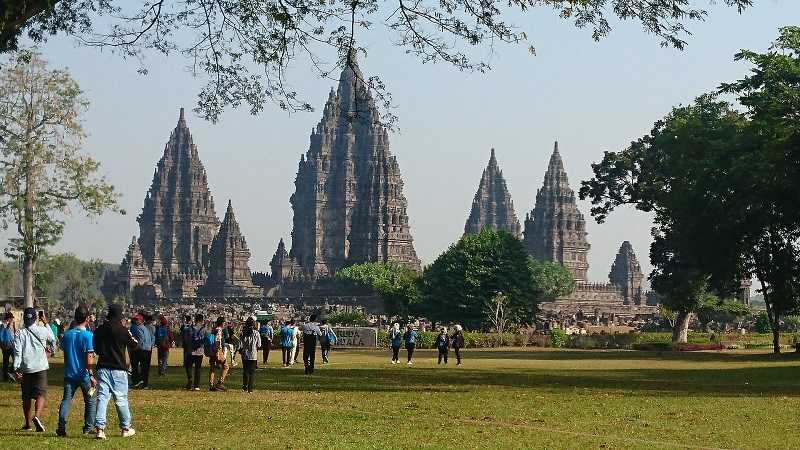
(208, 345)
(6, 338)
(330, 336)
(198, 336)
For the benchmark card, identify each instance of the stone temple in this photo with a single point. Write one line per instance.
(555, 230)
(492, 206)
(178, 250)
(348, 202)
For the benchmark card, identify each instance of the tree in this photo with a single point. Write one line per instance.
(244, 48)
(552, 279)
(463, 282)
(497, 314)
(721, 310)
(43, 172)
(395, 283)
(685, 161)
(769, 174)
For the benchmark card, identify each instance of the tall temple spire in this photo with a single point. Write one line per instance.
(555, 229)
(348, 202)
(178, 221)
(492, 206)
(627, 275)
(229, 271)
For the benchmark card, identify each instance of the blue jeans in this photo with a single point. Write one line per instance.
(112, 383)
(89, 408)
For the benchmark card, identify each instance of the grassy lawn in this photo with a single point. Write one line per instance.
(498, 398)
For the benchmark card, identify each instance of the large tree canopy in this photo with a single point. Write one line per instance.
(463, 282)
(244, 47)
(396, 284)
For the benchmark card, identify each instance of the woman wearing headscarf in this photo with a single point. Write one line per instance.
(457, 342)
(395, 341)
(443, 345)
(248, 347)
(410, 338)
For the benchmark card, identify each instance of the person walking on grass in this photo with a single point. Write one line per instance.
(457, 342)
(296, 339)
(395, 342)
(443, 344)
(8, 329)
(410, 339)
(144, 353)
(164, 342)
(195, 339)
(248, 347)
(311, 333)
(217, 357)
(231, 343)
(266, 340)
(286, 342)
(110, 342)
(327, 339)
(32, 346)
(78, 373)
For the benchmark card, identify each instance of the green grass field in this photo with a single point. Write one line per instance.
(498, 398)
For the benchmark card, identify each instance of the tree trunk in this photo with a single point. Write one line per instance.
(27, 276)
(680, 332)
(774, 323)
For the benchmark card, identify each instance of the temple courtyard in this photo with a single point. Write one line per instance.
(498, 398)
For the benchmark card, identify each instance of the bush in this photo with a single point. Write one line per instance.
(558, 338)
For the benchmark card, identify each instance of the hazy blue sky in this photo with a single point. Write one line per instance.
(589, 96)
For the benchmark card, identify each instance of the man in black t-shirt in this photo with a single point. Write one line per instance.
(111, 341)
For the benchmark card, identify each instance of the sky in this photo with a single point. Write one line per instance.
(589, 96)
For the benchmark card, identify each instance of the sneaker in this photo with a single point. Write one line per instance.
(410, 363)
(89, 432)
(188, 387)
(212, 389)
(221, 387)
(38, 424)
(26, 428)
(128, 432)
(60, 432)
(196, 389)
(139, 384)
(101, 435)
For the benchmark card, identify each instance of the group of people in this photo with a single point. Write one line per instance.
(309, 334)
(443, 344)
(94, 363)
(95, 359)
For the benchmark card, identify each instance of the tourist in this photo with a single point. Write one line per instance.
(251, 340)
(443, 344)
(231, 344)
(327, 339)
(143, 354)
(8, 329)
(311, 333)
(111, 340)
(53, 329)
(287, 330)
(457, 342)
(266, 340)
(32, 346)
(395, 341)
(217, 357)
(78, 372)
(295, 343)
(410, 338)
(186, 345)
(196, 336)
(164, 342)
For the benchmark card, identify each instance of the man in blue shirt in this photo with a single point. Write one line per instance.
(78, 372)
(143, 353)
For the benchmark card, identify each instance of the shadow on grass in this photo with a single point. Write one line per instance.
(777, 380)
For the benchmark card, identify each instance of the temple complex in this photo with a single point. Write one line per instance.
(492, 206)
(175, 251)
(348, 202)
(555, 230)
